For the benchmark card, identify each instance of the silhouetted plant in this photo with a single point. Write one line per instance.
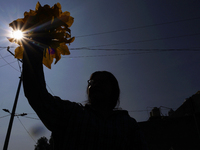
(42, 144)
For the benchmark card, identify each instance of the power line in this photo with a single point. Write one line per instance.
(145, 26)
(105, 55)
(129, 49)
(50, 90)
(22, 115)
(26, 129)
(8, 63)
(138, 49)
(2, 47)
(31, 118)
(149, 40)
(139, 41)
(161, 108)
(20, 69)
(31, 113)
(135, 52)
(139, 27)
(133, 111)
(4, 116)
(5, 56)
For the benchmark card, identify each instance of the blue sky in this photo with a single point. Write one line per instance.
(135, 40)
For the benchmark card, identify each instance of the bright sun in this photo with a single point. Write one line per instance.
(18, 34)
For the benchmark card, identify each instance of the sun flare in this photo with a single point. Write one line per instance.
(18, 34)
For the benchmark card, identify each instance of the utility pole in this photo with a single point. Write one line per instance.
(13, 112)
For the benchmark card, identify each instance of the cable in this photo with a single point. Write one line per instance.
(128, 49)
(9, 63)
(26, 130)
(1, 48)
(145, 26)
(31, 113)
(136, 49)
(140, 27)
(50, 90)
(19, 66)
(132, 28)
(7, 47)
(106, 55)
(4, 116)
(31, 118)
(163, 108)
(20, 71)
(139, 110)
(145, 51)
(6, 56)
(150, 40)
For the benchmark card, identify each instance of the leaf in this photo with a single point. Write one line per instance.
(52, 20)
(19, 52)
(63, 49)
(11, 39)
(17, 24)
(57, 56)
(30, 13)
(71, 40)
(57, 53)
(70, 21)
(47, 58)
(38, 6)
(58, 5)
(66, 13)
(65, 17)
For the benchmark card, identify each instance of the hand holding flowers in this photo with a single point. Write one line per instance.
(48, 27)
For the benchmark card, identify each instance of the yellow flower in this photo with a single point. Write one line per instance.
(48, 27)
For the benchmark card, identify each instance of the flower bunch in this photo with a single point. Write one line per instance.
(49, 28)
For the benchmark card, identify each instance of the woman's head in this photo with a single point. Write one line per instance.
(103, 90)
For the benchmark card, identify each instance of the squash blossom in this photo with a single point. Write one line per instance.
(48, 27)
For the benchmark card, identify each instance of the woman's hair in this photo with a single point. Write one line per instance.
(115, 91)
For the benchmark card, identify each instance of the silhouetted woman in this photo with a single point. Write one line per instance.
(95, 126)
